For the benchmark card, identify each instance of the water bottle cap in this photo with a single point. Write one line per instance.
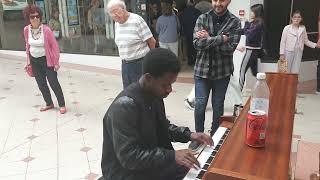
(261, 76)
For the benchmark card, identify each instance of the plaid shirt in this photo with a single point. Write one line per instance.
(214, 57)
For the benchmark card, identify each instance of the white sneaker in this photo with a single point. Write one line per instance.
(318, 91)
(189, 104)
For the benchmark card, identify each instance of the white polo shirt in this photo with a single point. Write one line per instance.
(131, 37)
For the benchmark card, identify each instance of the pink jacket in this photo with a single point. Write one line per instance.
(50, 45)
(290, 38)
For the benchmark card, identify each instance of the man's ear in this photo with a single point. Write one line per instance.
(148, 77)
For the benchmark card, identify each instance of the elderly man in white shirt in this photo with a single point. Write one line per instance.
(133, 38)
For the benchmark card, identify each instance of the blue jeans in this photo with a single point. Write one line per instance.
(131, 71)
(203, 88)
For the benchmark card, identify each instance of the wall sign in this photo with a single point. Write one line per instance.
(72, 12)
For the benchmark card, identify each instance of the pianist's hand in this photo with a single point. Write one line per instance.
(202, 138)
(186, 157)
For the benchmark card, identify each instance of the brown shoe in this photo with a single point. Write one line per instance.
(46, 108)
(63, 110)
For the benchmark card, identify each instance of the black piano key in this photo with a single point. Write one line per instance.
(213, 153)
(228, 130)
(210, 160)
(200, 175)
(221, 141)
(224, 136)
(205, 167)
(217, 147)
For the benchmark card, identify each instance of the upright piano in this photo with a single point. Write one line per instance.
(232, 159)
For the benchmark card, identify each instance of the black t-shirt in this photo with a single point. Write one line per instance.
(218, 21)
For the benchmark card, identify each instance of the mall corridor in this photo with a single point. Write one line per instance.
(38, 145)
(47, 145)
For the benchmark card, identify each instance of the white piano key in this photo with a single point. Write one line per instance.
(218, 135)
(192, 174)
(207, 151)
(205, 154)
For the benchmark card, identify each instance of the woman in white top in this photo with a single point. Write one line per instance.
(43, 54)
(294, 37)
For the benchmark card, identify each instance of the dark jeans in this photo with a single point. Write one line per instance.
(202, 91)
(131, 71)
(42, 72)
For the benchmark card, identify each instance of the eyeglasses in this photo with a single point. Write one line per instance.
(296, 17)
(34, 16)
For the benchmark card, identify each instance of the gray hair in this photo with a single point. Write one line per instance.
(118, 3)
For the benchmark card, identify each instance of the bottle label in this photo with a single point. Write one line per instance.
(259, 104)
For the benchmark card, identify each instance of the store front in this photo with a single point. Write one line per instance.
(83, 26)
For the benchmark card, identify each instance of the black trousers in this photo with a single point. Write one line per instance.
(41, 73)
(250, 59)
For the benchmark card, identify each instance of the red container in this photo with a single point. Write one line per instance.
(256, 126)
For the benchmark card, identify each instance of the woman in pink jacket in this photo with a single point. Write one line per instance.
(294, 37)
(43, 54)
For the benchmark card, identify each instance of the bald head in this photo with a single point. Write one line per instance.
(117, 10)
(116, 3)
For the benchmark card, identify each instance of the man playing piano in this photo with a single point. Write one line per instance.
(136, 133)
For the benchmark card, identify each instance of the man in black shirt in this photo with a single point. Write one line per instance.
(136, 133)
(188, 19)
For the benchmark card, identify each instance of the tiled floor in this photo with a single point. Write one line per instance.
(38, 145)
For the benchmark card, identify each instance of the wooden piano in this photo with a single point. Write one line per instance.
(232, 159)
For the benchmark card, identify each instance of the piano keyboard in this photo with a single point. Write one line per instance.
(208, 154)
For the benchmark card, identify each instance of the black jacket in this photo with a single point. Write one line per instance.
(137, 138)
(254, 34)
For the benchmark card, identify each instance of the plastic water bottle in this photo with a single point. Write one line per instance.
(260, 95)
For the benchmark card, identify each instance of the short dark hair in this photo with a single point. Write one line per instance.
(159, 61)
(181, 5)
(166, 9)
(31, 9)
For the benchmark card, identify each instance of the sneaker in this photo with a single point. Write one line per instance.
(318, 91)
(194, 146)
(189, 104)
